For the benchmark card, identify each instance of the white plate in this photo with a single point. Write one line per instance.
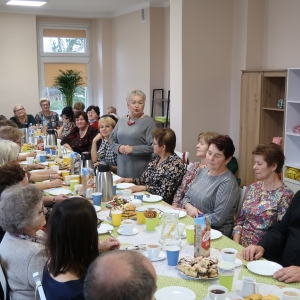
(58, 191)
(97, 208)
(38, 163)
(216, 278)
(134, 231)
(104, 227)
(263, 267)
(152, 198)
(207, 298)
(175, 293)
(116, 177)
(124, 185)
(215, 234)
(181, 213)
(162, 255)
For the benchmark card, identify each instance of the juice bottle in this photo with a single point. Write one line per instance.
(202, 236)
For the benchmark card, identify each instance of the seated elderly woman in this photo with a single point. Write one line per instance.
(72, 245)
(93, 113)
(67, 116)
(21, 117)
(266, 200)
(202, 146)
(22, 214)
(165, 170)
(105, 152)
(214, 190)
(81, 137)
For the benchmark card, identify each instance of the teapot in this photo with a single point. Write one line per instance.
(104, 182)
(51, 137)
(169, 234)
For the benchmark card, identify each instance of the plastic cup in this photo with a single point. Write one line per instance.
(180, 228)
(54, 152)
(48, 149)
(150, 224)
(97, 198)
(116, 217)
(140, 216)
(25, 147)
(67, 160)
(64, 174)
(189, 229)
(78, 189)
(172, 255)
(226, 274)
(68, 178)
(114, 189)
(29, 160)
(138, 196)
(72, 184)
(42, 157)
(126, 194)
(51, 164)
(75, 177)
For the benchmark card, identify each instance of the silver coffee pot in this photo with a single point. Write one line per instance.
(104, 182)
(86, 161)
(25, 131)
(51, 137)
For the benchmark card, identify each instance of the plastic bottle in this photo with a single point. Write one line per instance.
(30, 134)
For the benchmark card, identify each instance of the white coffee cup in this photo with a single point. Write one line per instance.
(126, 194)
(153, 250)
(217, 292)
(128, 226)
(29, 160)
(55, 168)
(68, 178)
(290, 294)
(229, 254)
(180, 227)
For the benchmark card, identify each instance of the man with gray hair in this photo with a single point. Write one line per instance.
(120, 275)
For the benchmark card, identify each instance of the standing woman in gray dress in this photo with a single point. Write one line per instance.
(131, 139)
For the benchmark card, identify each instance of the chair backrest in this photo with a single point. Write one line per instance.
(184, 156)
(4, 291)
(39, 286)
(241, 200)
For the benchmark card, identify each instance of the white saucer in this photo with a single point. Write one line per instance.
(104, 227)
(64, 183)
(175, 293)
(97, 208)
(134, 231)
(162, 255)
(237, 262)
(207, 298)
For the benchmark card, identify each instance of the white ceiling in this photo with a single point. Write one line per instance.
(83, 8)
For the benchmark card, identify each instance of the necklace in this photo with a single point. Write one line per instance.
(82, 134)
(129, 123)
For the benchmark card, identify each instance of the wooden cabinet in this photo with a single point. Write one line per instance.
(292, 139)
(260, 118)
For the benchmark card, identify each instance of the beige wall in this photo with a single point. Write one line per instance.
(130, 58)
(18, 53)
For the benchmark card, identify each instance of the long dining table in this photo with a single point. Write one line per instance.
(170, 276)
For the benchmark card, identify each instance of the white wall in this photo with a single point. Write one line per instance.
(19, 69)
(130, 58)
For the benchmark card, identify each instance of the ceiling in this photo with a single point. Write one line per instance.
(84, 8)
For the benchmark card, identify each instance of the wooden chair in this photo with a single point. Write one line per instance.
(184, 156)
(241, 201)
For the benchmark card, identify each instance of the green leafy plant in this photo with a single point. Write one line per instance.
(68, 83)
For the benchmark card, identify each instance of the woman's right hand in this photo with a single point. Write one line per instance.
(192, 210)
(128, 180)
(56, 183)
(97, 138)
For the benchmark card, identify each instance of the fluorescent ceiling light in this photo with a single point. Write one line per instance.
(26, 3)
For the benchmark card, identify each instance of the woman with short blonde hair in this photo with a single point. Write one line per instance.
(46, 116)
(21, 117)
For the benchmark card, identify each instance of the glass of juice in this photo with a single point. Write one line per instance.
(226, 274)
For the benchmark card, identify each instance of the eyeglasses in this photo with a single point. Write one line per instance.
(43, 209)
(20, 109)
(154, 144)
(45, 104)
(19, 142)
(99, 222)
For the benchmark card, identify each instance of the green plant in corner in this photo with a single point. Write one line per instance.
(68, 82)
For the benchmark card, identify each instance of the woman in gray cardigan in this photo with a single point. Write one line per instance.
(131, 139)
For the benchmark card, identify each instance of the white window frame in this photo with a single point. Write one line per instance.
(58, 57)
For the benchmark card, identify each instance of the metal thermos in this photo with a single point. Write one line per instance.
(104, 182)
(86, 161)
(25, 131)
(51, 137)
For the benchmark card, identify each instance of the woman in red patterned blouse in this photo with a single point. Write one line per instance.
(81, 137)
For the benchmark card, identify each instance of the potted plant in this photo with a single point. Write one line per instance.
(68, 82)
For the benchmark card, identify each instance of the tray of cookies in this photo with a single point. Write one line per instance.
(200, 268)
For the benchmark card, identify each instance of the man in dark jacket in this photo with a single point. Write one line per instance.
(281, 244)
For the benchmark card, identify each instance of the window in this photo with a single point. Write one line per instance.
(63, 47)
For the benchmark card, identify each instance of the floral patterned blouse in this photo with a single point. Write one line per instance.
(67, 129)
(79, 144)
(162, 179)
(52, 120)
(105, 152)
(260, 210)
(187, 179)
